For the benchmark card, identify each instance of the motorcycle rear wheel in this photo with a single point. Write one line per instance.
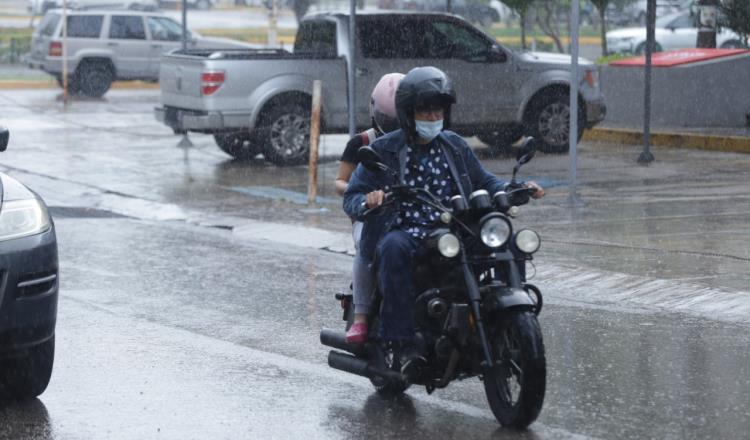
(515, 389)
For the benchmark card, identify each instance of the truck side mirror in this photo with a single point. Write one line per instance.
(497, 55)
(4, 137)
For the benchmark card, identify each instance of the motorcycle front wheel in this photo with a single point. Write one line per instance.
(515, 388)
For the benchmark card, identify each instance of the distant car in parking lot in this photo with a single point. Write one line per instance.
(109, 45)
(674, 31)
(28, 291)
(634, 13)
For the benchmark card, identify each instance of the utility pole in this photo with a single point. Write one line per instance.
(707, 10)
(646, 157)
(273, 35)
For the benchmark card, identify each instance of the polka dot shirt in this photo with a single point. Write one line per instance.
(426, 168)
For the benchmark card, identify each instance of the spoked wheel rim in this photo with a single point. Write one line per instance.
(510, 367)
(290, 135)
(554, 123)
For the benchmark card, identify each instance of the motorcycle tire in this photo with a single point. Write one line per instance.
(515, 389)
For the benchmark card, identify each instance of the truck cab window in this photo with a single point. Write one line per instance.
(85, 26)
(387, 38)
(124, 27)
(454, 41)
(317, 37)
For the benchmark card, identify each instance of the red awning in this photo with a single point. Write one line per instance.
(680, 57)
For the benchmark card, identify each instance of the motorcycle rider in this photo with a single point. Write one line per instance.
(384, 120)
(425, 155)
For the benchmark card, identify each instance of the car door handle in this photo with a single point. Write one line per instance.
(112, 44)
(157, 46)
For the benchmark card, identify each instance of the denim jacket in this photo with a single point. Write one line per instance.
(464, 165)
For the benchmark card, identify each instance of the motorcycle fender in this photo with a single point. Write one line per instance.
(504, 298)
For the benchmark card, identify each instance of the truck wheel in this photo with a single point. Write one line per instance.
(285, 134)
(93, 78)
(240, 145)
(549, 121)
(28, 376)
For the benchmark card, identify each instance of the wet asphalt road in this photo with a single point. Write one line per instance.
(170, 327)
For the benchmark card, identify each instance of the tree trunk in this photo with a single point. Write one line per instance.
(523, 31)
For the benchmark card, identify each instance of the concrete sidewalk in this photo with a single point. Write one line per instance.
(727, 139)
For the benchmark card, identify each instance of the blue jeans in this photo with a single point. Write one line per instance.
(396, 251)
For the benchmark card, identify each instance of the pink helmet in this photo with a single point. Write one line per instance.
(383, 103)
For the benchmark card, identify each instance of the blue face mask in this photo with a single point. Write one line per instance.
(428, 130)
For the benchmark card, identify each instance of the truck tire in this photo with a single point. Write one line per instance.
(93, 78)
(240, 145)
(548, 119)
(284, 133)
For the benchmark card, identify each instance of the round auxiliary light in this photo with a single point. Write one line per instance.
(528, 241)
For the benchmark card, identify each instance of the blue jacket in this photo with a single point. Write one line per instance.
(463, 163)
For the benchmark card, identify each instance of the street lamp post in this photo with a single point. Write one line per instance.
(646, 157)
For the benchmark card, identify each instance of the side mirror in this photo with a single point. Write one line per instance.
(4, 137)
(527, 150)
(497, 55)
(370, 159)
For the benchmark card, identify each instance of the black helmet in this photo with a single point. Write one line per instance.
(423, 87)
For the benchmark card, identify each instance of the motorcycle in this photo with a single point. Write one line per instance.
(475, 314)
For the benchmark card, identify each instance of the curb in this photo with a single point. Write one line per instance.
(44, 84)
(709, 142)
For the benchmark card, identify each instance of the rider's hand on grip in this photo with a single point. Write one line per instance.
(374, 199)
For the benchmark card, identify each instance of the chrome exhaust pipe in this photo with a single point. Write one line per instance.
(332, 338)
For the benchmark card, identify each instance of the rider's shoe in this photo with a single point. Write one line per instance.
(357, 334)
(412, 362)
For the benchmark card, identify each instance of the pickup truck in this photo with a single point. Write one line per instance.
(258, 101)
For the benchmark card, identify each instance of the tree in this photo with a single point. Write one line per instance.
(735, 15)
(601, 6)
(547, 18)
(521, 7)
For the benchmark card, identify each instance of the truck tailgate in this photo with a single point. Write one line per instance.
(180, 81)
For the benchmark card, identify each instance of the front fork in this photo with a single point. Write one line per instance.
(476, 298)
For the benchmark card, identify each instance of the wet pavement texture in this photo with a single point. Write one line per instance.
(168, 330)
(681, 218)
(182, 317)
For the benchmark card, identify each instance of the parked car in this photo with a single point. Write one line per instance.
(259, 101)
(504, 12)
(29, 289)
(39, 7)
(675, 31)
(634, 13)
(109, 45)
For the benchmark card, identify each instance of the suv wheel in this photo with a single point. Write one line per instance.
(285, 134)
(549, 121)
(93, 78)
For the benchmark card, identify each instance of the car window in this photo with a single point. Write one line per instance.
(316, 37)
(164, 29)
(49, 24)
(386, 37)
(127, 27)
(85, 26)
(451, 40)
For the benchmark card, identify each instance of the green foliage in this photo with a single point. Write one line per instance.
(519, 6)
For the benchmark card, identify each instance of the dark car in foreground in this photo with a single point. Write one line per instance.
(28, 289)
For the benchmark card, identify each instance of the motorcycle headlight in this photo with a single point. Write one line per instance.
(495, 231)
(528, 241)
(20, 218)
(448, 245)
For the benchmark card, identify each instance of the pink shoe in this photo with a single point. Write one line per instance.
(357, 334)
